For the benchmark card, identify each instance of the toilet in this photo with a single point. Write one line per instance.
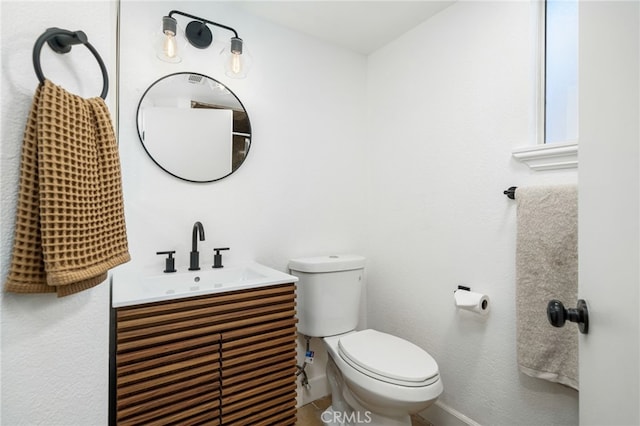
(375, 378)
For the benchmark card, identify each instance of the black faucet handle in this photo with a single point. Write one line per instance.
(170, 262)
(217, 258)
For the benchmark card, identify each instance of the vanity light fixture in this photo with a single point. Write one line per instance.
(237, 60)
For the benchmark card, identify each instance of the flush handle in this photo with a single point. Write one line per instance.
(557, 315)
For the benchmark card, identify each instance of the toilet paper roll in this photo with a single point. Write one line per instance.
(472, 301)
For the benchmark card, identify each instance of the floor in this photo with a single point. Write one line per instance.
(309, 415)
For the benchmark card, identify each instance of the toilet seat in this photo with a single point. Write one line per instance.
(388, 358)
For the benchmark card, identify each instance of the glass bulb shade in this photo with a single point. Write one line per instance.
(167, 45)
(236, 65)
(167, 49)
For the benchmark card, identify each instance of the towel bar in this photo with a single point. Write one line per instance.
(511, 192)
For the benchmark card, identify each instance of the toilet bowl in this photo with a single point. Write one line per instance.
(387, 377)
(375, 378)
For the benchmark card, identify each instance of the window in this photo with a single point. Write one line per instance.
(554, 142)
(561, 71)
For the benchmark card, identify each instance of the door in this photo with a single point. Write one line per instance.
(609, 190)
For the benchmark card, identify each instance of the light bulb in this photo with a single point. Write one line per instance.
(170, 45)
(236, 63)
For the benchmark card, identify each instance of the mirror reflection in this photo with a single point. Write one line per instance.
(193, 127)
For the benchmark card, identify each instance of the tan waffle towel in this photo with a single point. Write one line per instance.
(547, 268)
(70, 227)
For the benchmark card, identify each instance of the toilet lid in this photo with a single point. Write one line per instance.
(388, 356)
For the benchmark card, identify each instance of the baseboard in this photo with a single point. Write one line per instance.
(442, 415)
(319, 388)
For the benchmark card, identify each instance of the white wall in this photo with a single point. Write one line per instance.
(54, 351)
(297, 193)
(448, 101)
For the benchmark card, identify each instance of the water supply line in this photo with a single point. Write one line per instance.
(301, 369)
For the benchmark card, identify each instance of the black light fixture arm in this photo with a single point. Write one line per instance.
(187, 15)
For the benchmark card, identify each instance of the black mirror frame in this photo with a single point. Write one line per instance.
(158, 164)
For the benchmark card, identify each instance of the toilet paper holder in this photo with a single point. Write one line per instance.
(484, 304)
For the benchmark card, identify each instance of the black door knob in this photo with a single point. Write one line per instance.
(557, 315)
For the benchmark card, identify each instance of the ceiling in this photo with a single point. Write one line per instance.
(361, 26)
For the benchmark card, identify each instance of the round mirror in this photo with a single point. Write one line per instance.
(193, 127)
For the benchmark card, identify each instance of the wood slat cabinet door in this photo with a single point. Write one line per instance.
(258, 357)
(167, 366)
(222, 359)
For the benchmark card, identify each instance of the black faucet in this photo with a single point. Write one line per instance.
(194, 261)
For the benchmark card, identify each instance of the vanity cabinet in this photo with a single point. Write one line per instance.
(220, 359)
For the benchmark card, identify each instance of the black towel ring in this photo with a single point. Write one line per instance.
(61, 41)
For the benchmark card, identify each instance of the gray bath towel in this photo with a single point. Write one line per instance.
(547, 268)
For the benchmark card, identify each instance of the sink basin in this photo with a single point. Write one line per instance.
(129, 287)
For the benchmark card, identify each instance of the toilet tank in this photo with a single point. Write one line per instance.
(328, 293)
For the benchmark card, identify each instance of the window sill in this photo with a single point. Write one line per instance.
(549, 157)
